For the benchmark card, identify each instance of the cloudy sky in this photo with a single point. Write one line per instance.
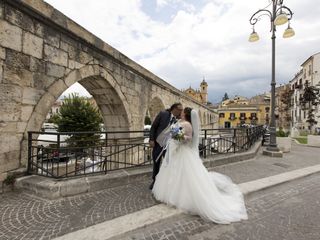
(183, 41)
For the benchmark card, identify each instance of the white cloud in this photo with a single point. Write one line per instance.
(207, 39)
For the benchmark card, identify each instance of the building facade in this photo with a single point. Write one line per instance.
(241, 111)
(54, 109)
(308, 74)
(200, 95)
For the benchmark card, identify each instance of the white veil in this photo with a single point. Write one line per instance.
(195, 129)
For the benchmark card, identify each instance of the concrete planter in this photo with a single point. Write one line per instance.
(284, 143)
(314, 140)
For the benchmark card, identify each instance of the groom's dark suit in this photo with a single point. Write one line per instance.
(162, 120)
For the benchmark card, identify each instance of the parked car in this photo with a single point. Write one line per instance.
(146, 130)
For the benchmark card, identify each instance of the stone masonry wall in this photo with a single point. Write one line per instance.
(42, 53)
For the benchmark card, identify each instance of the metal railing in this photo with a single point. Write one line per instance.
(228, 140)
(70, 154)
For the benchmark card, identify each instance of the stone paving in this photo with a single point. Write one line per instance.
(24, 216)
(288, 212)
(262, 166)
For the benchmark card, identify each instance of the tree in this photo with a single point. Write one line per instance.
(147, 120)
(285, 107)
(53, 118)
(310, 100)
(77, 114)
(225, 97)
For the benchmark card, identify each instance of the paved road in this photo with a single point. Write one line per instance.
(23, 216)
(288, 212)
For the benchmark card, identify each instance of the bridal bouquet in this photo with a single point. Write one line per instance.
(177, 132)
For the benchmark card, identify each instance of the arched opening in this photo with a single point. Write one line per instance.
(100, 85)
(105, 92)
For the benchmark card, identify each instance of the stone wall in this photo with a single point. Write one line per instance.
(42, 53)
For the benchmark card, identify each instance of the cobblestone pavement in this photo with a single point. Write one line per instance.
(26, 217)
(23, 216)
(263, 166)
(288, 212)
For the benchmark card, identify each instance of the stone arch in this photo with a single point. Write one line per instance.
(155, 106)
(100, 84)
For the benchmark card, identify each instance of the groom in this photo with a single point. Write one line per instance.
(160, 123)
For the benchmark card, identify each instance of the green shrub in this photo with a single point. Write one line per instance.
(281, 133)
(9, 180)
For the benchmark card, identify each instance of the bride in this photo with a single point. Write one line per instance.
(184, 182)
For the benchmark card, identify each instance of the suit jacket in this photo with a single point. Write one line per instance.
(161, 121)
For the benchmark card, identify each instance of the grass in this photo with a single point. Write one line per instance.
(303, 140)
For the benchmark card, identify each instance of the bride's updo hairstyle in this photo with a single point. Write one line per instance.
(187, 114)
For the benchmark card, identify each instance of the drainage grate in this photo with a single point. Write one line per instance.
(281, 165)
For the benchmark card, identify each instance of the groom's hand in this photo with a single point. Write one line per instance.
(151, 143)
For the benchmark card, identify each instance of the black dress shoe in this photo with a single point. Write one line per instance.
(151, 185)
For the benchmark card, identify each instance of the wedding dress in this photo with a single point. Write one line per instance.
(184, 182)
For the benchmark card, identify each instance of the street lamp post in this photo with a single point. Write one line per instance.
(279, 15)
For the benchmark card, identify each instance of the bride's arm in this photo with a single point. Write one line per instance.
(187, 131)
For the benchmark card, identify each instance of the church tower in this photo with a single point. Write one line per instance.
(204, 91)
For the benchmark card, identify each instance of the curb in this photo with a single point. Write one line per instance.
(54, 189)
(145, 217)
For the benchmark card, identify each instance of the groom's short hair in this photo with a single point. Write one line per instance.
(175, 105)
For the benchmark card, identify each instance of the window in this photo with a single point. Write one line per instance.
(310, 70)
(221, 115)
(242, 116)
(232, 116)
(299, 117)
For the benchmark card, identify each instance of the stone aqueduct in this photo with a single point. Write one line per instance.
(42, 53)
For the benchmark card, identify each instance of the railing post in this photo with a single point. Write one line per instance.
(58, 151)
(234, 139)
(106, 153)
(29, 152)
(204, 143)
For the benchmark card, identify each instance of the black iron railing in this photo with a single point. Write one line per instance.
(70, 154)
(228, 140)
